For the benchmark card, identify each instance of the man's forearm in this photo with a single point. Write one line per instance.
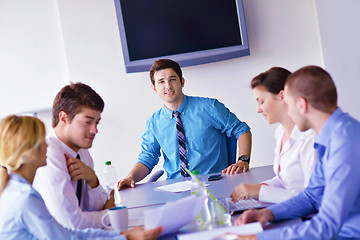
(244, 144)
(138, 172)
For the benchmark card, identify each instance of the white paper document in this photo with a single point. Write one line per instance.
(226, 233)
(174, 215)
(177, 187)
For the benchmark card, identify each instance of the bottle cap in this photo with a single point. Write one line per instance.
(195, 172)
(108, 163)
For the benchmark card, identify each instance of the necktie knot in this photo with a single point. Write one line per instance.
(176, 114)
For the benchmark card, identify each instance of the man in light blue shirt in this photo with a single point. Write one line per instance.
(205, 122)
(333, 193)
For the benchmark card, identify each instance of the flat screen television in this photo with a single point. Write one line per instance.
(190, 32)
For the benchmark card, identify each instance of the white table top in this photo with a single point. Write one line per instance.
(146, 195)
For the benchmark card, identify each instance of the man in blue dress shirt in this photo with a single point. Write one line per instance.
(205, 121)
(333, 193)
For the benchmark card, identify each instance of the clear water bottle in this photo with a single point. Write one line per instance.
(203, 220)
(110, 181)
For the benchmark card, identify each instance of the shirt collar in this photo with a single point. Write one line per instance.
(18, 178)
(180, 109)
(323, 136)
(294, 136)
(66, 148)
(183, 104)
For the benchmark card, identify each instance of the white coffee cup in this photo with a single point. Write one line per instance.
(118, 217)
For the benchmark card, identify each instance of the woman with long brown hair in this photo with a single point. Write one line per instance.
(295, 156)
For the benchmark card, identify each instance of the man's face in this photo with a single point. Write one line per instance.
(294, 110)
(169, 87)
(81, 131)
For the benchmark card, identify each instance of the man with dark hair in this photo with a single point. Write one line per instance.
(68, 183)
(333, 193)
(190, 131)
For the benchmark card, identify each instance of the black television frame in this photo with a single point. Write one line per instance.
(190, 58)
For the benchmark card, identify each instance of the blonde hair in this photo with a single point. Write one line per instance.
(20, 138)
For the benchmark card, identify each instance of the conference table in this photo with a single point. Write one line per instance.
(145, 196)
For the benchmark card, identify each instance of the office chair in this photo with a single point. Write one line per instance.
(231, 143)
(155, 176)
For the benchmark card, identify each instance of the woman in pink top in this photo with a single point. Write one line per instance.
(295, 156)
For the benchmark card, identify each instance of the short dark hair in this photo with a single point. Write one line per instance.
(72, 98)
(164, 64)
(273, 79)
(315, 85)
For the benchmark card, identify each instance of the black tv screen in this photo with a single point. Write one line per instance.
(190, 32)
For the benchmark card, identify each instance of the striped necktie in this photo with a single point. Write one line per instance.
(182, 146)
(79, 185)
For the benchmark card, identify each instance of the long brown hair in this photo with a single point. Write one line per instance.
(273, 79)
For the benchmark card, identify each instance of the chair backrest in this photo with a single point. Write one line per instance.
(231, 143)
(155, 176)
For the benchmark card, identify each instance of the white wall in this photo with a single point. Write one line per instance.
(340, 40)
(281, 33)
(32, 61)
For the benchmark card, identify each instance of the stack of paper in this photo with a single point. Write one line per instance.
(177, 187)
(174, 215)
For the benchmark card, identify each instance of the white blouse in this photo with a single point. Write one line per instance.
(293, 166)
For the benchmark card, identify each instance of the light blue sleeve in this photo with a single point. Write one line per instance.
(225, 120)
(38, 221)
(150, 147)
(339, 172)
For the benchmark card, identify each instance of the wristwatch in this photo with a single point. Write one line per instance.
(244, 158)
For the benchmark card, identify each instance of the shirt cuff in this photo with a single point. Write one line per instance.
(244, 129)
(274, 182)
(273, 194)
(268, 234)
(98, 193)
(97, 189)
(278, 211)
(97, 198)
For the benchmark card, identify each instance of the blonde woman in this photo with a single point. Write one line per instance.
(295, 156)
(23, 214)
